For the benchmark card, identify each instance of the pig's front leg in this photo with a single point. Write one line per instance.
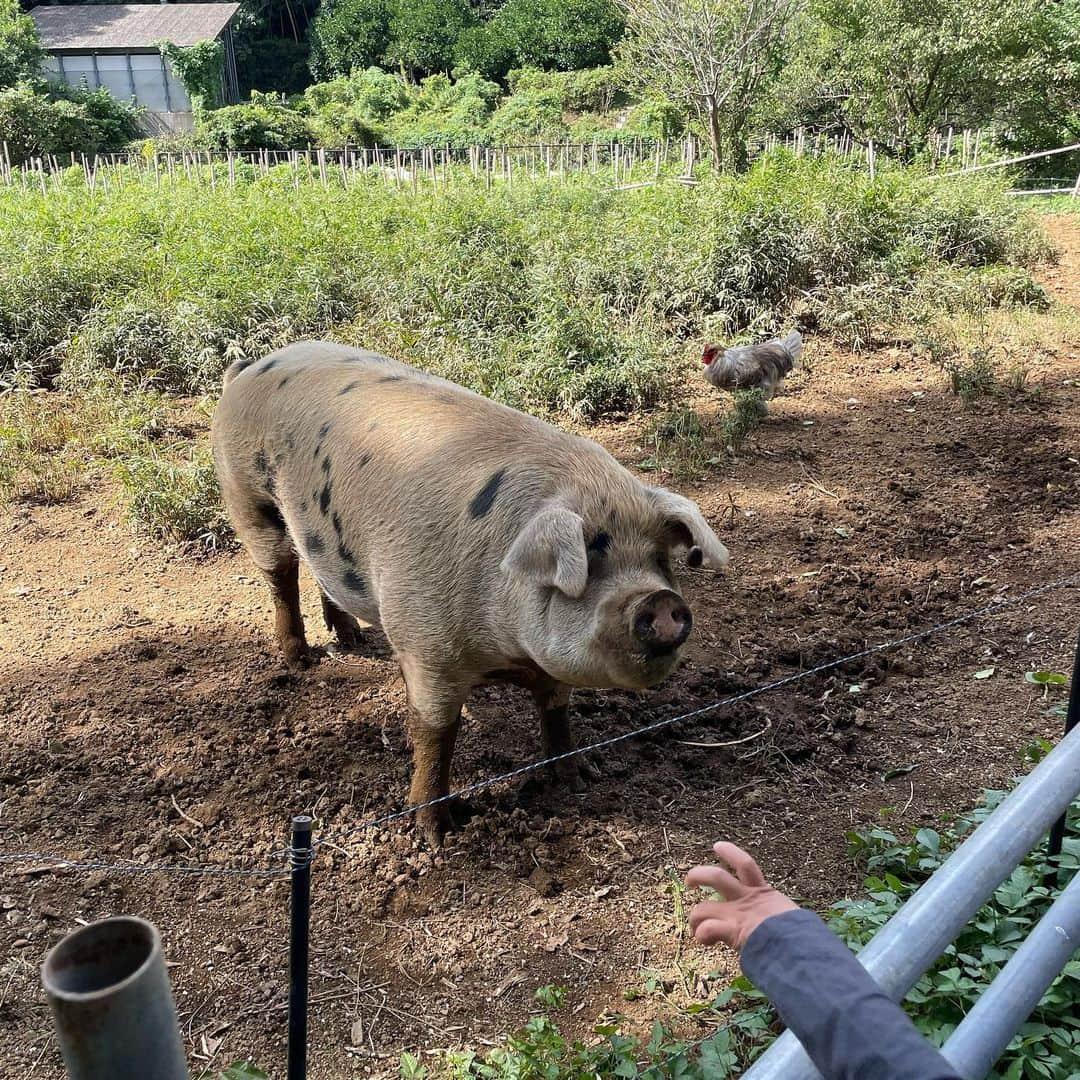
(434, 719)
(553, 702)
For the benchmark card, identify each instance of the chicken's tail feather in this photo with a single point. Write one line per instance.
(793, 344)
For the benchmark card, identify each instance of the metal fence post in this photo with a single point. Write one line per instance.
(1072, 717)
(111, 1002)
(300, 855)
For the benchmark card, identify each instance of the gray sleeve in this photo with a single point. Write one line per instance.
(848, 1026)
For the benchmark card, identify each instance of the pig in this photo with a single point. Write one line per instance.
(483, 542)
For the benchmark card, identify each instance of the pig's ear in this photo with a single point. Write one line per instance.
(690, 531)
(550, 551)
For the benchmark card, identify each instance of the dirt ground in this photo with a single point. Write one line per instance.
(149, 718)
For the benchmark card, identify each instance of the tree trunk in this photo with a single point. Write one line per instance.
(727, 138)
(716, 134)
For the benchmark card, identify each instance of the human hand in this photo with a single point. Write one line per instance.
(749, 898)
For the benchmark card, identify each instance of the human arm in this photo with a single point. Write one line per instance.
(849, 1027)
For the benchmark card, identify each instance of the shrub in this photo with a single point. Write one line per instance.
(262, 124)
(529, 115)
(61, 120)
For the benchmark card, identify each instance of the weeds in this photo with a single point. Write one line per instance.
(561, 298)
(174, 501)
(49, 444)
(972, 377)
(677, 442)
(748, 409)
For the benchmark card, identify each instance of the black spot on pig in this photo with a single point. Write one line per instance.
(390, 378)
(345, 554)
(324, 497)
(270, 514)
(313, 544)
(324, 430)
(262, 465)
(354, 582)
(239, 365)
(485, 497)
(348, 388)
(303, 506)
(325, 464)
(600, 543)
(269, 365)
(284, 380)
(337, 523)
(363, 459)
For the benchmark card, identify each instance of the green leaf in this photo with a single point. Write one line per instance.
(243, 1070)
(899, 770)
(1046, 678)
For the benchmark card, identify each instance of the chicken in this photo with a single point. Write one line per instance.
(752, 367)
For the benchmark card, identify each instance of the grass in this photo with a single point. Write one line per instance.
(51, 444)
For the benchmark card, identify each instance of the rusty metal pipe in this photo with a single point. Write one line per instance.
(111, 1003)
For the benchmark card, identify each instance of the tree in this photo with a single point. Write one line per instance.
(20, 49)
(424, 34)
(715, 57)
(560, 35)
(349, 35)
(896, 70)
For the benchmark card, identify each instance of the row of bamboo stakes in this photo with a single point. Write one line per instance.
(632, 163)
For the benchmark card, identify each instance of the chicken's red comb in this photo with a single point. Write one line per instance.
(709, 355)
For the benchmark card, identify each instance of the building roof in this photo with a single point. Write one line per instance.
(129, 26)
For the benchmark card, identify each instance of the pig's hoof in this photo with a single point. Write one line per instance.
(434, 822)
(298, 656)
(576, 773)
(348, 633)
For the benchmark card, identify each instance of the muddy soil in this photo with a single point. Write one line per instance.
(149, 718)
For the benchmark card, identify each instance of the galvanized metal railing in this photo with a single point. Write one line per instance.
(903, 950)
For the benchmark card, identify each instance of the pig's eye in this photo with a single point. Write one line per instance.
(599, 544)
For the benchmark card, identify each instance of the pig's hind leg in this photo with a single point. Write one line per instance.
(261, 529)
(553, 703)
(340, 623)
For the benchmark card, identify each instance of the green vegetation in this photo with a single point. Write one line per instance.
(50, 447)
(1047, 1046)
(372, 107)
(559, 298)
(39, 118)
(200, 69)
(427, 37)
(896, 70)
(565, 299)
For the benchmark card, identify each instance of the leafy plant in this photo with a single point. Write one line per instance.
(1048, 1045)
(200, 68)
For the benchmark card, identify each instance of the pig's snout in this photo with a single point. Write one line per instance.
(662, 622)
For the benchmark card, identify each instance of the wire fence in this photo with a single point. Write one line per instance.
(301, 856)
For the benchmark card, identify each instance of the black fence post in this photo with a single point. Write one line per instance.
(1072, 717)
(300, 855)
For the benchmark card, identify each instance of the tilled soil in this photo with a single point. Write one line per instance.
(149, 718)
